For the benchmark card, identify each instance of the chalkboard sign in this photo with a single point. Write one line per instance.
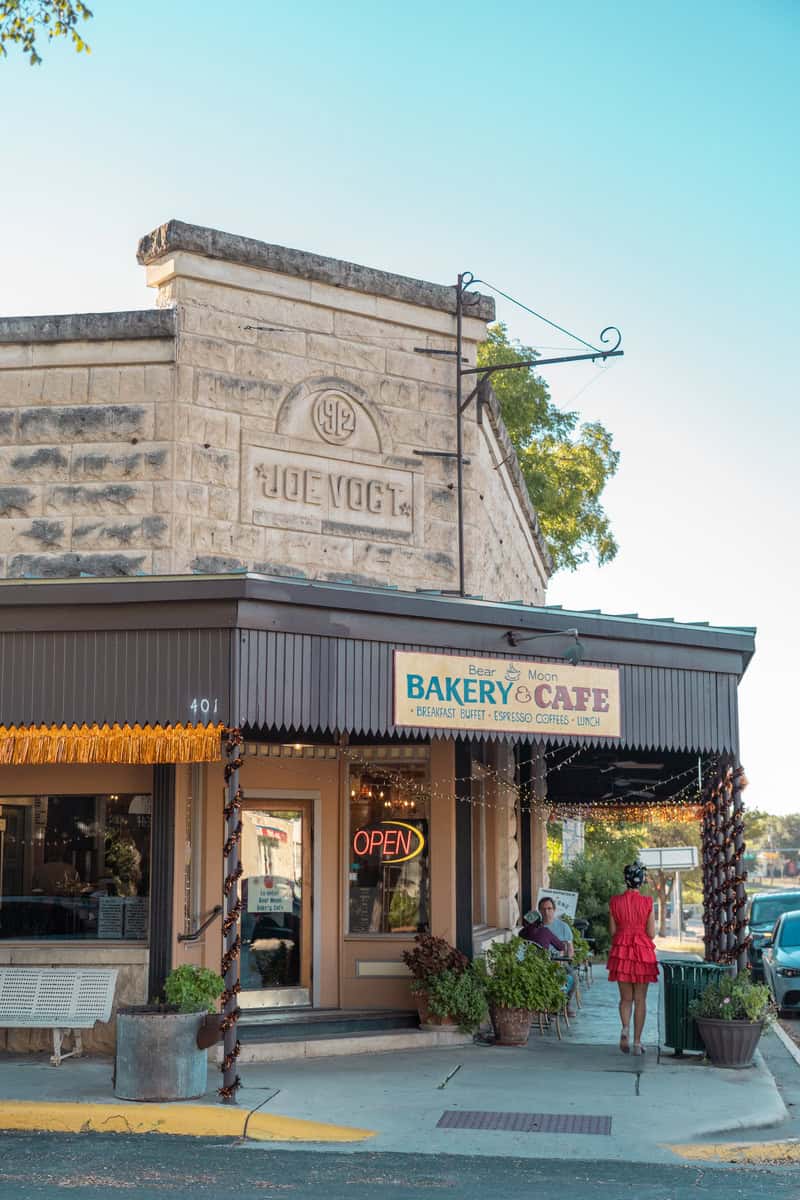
(362, 906)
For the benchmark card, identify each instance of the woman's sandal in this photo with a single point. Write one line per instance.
(638, 1048)
(624, 1043)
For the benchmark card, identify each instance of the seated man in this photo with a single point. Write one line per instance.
(536, 931)
(547, 907)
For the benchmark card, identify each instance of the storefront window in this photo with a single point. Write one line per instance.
(74, 867)
(388, 847)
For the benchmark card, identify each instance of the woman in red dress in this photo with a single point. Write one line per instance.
(632, 962)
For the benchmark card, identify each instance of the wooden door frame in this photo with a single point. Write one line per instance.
(312, 799)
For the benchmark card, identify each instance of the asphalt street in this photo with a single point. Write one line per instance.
(96, 1167)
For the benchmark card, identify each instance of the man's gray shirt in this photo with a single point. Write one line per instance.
(561, 929)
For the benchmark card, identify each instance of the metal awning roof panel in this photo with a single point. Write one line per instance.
(271, 654)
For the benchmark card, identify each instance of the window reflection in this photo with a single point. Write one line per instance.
(75, 866)
(272, 864)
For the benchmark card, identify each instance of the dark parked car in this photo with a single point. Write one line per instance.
(765, 909)
(782, 961)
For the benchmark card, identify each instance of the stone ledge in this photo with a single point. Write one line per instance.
(88, 954)
(90, 327)
(368, 1043)
(213, 243)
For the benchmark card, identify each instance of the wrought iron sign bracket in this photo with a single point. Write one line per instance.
(464, 301)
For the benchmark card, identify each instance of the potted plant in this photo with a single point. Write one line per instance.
(582, 949)
(456, 998)
(519, 979)
(731, 1016)
(195, 990)
(447, 991)
(158, 1056)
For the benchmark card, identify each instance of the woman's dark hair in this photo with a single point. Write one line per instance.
(634, 875)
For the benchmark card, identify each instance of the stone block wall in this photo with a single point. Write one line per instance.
(86, 446)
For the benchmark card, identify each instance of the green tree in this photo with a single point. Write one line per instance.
(596, 875)
(757, 828)
(22, 22)
(565, 466)
(681, 833)
(555, 843)
(789, 830)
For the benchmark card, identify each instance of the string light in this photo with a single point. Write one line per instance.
(717, 805)
(683, 805)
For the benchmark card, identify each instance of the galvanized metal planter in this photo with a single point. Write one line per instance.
(511, 1025)
(730, 1043)
(157, 1056)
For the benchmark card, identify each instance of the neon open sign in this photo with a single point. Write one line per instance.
(390, 841)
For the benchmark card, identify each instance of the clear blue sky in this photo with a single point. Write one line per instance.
(629, 164)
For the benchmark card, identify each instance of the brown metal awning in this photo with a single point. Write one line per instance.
(300, 656)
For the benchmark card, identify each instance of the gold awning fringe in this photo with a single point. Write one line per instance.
(37, 745)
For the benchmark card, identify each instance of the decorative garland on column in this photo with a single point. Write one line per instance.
(729, 874)
(231, 939)
(712, 920)
(724, 877)
(740, 872)
(706, 855)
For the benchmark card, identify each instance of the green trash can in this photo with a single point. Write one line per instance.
(684, 979)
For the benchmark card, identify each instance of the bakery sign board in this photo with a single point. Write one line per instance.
(444, 691)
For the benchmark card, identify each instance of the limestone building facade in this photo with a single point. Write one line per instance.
(236, 511)
(277, 412)
(277, 415)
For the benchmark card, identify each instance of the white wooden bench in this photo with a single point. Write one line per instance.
(57, 998)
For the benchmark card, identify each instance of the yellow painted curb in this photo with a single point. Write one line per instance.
(744, 1152)
(186, 1120)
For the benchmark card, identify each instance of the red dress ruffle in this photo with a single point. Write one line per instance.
(632, 958)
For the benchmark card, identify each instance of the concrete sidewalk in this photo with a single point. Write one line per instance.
(400, 1097)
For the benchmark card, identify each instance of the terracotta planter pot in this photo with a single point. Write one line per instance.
(428, 1021)
(729, 1043)
(511, 1026)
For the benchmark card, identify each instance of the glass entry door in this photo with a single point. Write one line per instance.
(276, 899)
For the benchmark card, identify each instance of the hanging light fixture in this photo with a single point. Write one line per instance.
(573, 653)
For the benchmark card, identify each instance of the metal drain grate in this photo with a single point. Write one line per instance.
(525, 1122)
